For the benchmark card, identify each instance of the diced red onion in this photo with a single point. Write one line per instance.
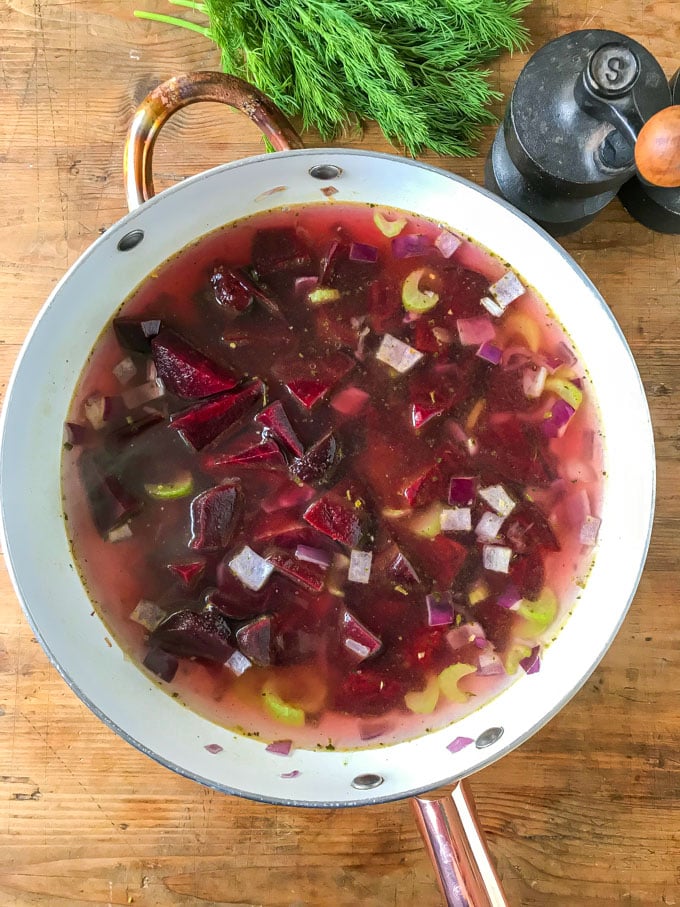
(280, 747)
(467, 633)
(148, 614)
(151, 370)
(160, 663)
(409, 245)
(120, 533)
(565, 353)
(250, 568)
(496, 558)
(489, 663)
(509, 598)
(474, 331)
(74, 433)
(305, 285)
(490, 353)
(97, 409)
(369, 730)
(560, 414)
(350, 401)
(439, 610)
(532, 663)
(313, 556)
(590, 530)
(357, 638)
(361, 251)
(293, 774)
(491, 306)
(462, 489)
(237, 663)
(507, 289)
(213, 748)
(359, 566)
(442, 335)
(489, 526)
(125, 371)
(456, 519)
(498, 499)
(533, 381)
(458, 744)
(447, 243)
(397, 354)
(143, 393)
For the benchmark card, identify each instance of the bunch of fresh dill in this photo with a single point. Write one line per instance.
(413, 66)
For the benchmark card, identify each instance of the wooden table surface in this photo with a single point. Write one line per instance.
(586, 813)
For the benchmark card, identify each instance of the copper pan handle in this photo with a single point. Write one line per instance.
(157, 108)
(460, 856)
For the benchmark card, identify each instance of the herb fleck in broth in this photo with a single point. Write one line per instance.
(333, 476)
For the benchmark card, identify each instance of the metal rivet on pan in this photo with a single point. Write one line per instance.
(325, 171)
(130, 240)
(367, 782)
(489, 736)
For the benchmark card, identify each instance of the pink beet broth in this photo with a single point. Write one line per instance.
(163, 497)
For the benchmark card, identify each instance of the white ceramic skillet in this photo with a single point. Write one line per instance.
(42, 384)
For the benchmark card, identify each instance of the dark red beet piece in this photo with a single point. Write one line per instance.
(527, 529)
(384, 306)
(442, 557)
(403, 570)
(254, 640)
(308, 391)
(461, 291)
(191, 634)
(309, 576)
(111, 504)
(75, 433)
(497, 622)
(186, 372)
(188, 574)
(237, 603)
(136, 334)
(528, 574)
(369, 692)
(274, 418)
(279, 249)
(339, 519)
(425, 650)
(295, 632)
(357, 641)
(319, 463)
(161, 663)
(515, 451)
(336, 252)
(231, 288)
(426, 487)
(266, 455)
(203, 423)
(214, 517)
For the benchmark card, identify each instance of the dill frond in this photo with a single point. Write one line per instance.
(413, 66)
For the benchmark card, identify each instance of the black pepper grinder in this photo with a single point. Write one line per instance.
(591, 115)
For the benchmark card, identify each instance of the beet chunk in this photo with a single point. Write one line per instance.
(339, 519)
(320, 461)
(214, 517)
(527, 529)
(516, 453)
(136, 334)
(201, 424)
(369, 692)
(232, 288)
(266, 455)
(275, 420)
(191, 634)
(111, 504)
(309, 576)
(528, 574)
(497, 622)
(254, 640)
(186, 372)
(279, 249)
(161, 663)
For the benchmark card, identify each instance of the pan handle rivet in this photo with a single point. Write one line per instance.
(489, 736)
(130, 240)
(367, 782)
(325, 171)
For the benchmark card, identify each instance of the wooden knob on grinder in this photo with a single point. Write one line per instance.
(657, 150)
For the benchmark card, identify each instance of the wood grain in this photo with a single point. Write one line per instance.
(586, 814)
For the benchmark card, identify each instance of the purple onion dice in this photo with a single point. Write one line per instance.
(439, 610)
